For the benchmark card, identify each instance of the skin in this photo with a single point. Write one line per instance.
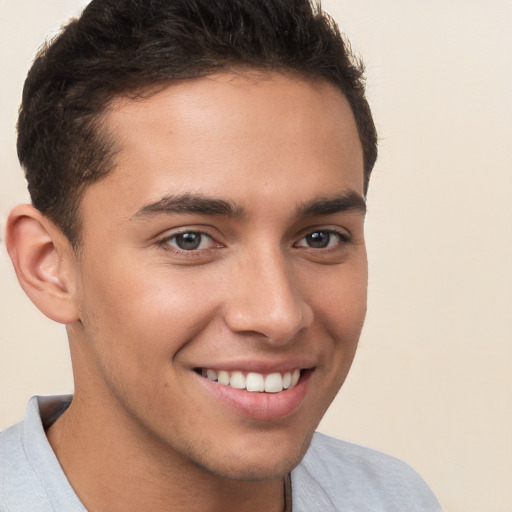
(144, 429)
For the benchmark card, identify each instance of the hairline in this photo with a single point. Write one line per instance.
(145, 92)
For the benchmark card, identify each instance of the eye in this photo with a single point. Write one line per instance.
(322, 239)
(190, 241)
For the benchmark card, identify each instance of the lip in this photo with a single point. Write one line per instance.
(259, 366)
(259, 406)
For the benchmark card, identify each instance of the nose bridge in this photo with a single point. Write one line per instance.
(266, 298)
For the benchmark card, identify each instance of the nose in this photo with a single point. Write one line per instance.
(266, 299)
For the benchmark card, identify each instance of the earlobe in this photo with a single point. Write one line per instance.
(41, 256)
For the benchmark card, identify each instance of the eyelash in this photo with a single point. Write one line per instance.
(342, 239)
(165, 243)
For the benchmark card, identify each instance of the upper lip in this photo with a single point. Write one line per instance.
(259, 366)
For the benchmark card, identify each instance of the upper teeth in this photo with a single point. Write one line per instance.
(252, 381)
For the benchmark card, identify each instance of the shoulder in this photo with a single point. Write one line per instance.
(19, 485)
(344, 476)
(30, 475)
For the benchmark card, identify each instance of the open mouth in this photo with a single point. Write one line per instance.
(252, 381)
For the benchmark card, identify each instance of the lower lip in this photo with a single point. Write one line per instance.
(261, 406)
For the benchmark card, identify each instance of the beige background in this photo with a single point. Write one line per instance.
(432, 382)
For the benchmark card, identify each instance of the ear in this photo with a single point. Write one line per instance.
(44, 261)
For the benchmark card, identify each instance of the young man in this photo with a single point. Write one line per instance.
(198, 172)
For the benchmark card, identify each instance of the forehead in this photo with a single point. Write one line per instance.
(231, 135)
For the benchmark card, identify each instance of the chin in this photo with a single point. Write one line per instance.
(252, 471)
(257, 463)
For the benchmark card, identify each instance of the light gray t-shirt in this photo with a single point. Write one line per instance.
(334, 476)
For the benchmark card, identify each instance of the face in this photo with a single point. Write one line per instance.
(221, 285)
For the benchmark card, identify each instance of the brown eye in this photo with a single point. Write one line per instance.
(190, 241)
(318, 239)
(322, 239)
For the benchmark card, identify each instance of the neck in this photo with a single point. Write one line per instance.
(112, 465)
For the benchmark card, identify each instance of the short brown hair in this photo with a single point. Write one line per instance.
(127, 47)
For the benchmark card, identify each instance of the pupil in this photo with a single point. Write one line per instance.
(188, 241)
(318, 239)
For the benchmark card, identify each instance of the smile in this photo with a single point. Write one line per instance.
(253, 381)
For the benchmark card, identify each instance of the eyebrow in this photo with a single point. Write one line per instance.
(202, 205)
(190, 203)
(345, 202)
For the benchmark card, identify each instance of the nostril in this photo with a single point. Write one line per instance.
(269, 305)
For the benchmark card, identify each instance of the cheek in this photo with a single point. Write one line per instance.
(342, 315)
(142, 317)
(342, 305)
